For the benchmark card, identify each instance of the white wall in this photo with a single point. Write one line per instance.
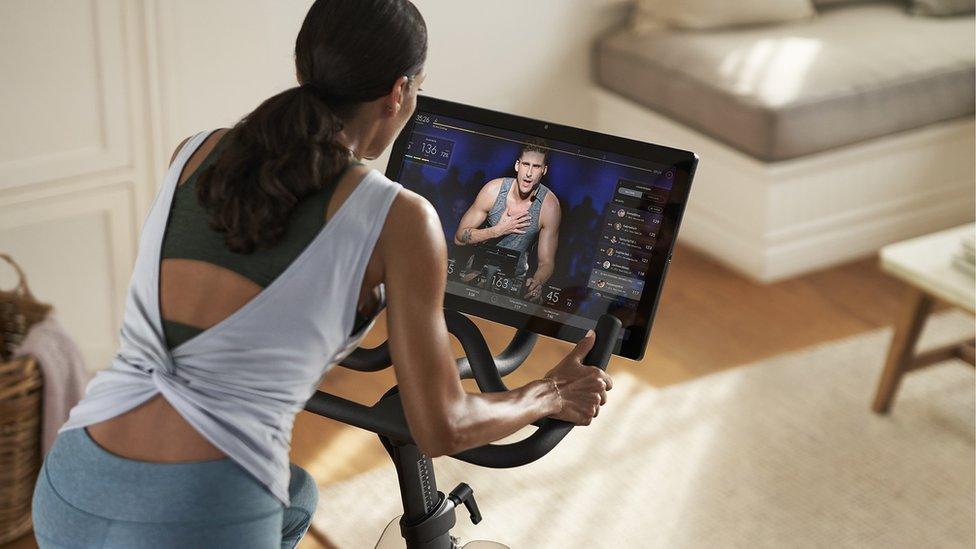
(529, 58)
(96, 94)
(526, 57)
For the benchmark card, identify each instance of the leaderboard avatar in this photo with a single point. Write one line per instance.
(518, 216)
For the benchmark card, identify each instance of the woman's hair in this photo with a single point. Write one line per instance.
(348, 52)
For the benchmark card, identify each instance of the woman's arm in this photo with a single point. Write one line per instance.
(443, 417)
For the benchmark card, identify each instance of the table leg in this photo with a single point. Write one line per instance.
(902, 349)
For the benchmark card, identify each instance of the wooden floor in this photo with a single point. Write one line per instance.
(710, 319)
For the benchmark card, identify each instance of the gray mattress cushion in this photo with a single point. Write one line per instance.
(783, 91)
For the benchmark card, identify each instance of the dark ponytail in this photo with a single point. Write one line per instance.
(348, 52)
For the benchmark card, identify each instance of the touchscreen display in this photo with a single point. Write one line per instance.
(554, 231)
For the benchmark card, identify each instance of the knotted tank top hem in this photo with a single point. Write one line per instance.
(241, 382)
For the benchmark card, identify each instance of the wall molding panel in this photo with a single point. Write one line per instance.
(77, 251)
(100, 102)
(74, 159)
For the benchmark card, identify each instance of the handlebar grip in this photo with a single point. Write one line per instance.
(552, 431)
(607, 330)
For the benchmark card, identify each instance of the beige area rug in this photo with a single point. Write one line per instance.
(782, 453)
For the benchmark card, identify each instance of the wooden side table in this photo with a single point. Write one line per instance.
(925, 264)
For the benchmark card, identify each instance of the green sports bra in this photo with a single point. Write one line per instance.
(188, 236)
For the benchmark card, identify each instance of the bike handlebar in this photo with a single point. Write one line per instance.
(386, 416)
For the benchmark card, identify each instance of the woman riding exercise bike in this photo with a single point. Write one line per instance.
(263, 262)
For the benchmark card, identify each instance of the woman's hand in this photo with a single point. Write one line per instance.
(583, 389)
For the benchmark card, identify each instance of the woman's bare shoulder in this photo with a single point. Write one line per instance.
(411, 210)
(412, 224)
(413, 254)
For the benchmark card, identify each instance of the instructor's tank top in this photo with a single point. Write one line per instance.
(241, 382)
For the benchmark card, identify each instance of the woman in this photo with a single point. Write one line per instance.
(262, 262)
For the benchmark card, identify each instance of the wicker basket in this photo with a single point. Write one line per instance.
(20, 409)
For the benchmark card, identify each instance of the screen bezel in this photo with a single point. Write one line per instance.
(684, 162)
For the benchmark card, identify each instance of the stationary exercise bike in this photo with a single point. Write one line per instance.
(428, 515)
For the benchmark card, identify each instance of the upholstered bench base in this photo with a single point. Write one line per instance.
(780, 219)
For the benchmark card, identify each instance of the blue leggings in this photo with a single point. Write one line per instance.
(87, 497)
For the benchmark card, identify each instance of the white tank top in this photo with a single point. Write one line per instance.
(241, 382)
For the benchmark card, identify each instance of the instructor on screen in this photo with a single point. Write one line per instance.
(520, 215)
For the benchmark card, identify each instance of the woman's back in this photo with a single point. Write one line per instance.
(195, 295)
(243, 378)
